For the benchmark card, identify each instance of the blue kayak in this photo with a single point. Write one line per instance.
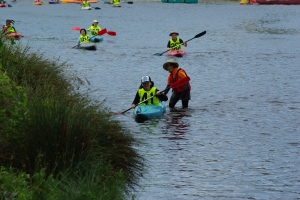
(96, 38)
(144, 112)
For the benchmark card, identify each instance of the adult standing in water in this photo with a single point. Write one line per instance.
(179, 93)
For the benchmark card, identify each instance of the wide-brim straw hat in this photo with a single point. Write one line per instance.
(174, 32)
(165, 66)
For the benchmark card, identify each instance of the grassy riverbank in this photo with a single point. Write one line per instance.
(55, 143)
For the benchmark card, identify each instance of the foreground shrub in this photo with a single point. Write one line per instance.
(58, 129)
(94, 183)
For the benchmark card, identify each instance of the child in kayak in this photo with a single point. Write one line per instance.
(115, 2)
(179, 93)
(94, 28)
(146, 90)
(9, 28)
(83, 38)
(85, 4)
(175, 42)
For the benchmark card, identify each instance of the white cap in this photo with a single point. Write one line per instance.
(95, 21)
(146, 79)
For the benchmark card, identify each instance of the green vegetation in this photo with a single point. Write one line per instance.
(55, 143)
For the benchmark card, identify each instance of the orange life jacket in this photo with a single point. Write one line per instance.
(175, 78)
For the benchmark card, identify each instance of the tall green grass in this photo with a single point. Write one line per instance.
(46, 125)
(72, 185)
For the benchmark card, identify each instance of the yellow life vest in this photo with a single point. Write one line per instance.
(10, 29)
(94, 30)
(116, 2)
(144, 94)
(84, 39)
(85, 4)
(175, 45)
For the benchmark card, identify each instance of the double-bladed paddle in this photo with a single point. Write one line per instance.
(178, 83)
(102, 32)
(111, 33)
(196, 36)
(129, 2)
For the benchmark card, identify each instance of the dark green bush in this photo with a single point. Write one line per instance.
(48, 125)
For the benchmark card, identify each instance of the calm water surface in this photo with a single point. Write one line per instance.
(240, 137)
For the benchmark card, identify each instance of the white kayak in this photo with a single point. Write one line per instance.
(86, 8)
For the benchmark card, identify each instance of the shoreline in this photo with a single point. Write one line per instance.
(199, 1)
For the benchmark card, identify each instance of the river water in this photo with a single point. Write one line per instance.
(240, 137)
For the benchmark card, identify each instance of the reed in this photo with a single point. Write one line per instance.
(94, 183)
(56, 127)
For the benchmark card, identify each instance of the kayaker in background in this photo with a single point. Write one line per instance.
(94, 28)
(147, 90)
(175, 42)
(85, 4)
(83, 38)
(115, 2)
(9, 28)
(179, 93)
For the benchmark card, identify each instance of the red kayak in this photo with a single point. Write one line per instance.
(15, 35)
(283, 2)
(2, 5)
(177, 53)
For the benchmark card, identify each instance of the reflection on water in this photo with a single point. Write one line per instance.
(177, 124)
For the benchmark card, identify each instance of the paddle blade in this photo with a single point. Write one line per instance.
(102, 32)
(111, 33)
(130, 2)
(159, 54)
(76, 28)
(180, 82)
(200, 34)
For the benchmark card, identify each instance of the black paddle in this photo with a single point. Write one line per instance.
(198, 35)
(129, 2)
(178, 83)
(75, 46)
